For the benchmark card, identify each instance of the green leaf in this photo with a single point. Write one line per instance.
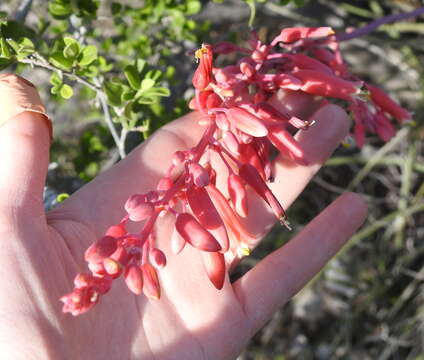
(4, 49)
(61, 197)
(88, 55)
(157, 91)
(113, 92)
(25, 48)
(71, 51)
(145, 85)
(59, 60)
(13, 44)
(128, 94)
(66, 91)
(141, 63)
(132, 76)
(193, 7)
(4, 63)
(60, 9)
(56, 79)
(154, 74)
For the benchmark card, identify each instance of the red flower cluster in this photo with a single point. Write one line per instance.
(241, 127)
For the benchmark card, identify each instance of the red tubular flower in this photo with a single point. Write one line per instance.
(214, 265)
(384, 127)
(205, 212)
(319, 83)
(303, 61)
(387, 104)
(195, 234)
(246, 122)
(285, 142)
(289, 35)
(238, 194)
(252, 177)
(203, 74)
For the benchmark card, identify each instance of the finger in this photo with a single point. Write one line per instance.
(318, 142)
(24, 147)
(282, 274)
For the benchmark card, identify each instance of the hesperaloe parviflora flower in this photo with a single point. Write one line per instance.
(241, 128)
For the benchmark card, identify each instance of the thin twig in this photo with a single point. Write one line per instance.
(375, 24)
(37, 60)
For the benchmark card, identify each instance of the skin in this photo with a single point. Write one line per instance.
(41, 253)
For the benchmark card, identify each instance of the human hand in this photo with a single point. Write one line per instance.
(41, 252)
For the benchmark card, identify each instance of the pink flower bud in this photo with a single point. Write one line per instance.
(214, 265)
(138, 208)
(199, 174)
(238, 194)
(178, 158)
(195, 234)
(157, 258)
(151, 287)
(102, 248)
(246, 122)
(134, 278)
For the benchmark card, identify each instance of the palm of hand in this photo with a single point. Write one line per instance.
(192, 320)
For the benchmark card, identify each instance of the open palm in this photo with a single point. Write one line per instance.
(40, 254)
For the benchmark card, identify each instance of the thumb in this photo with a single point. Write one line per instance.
(25, 134)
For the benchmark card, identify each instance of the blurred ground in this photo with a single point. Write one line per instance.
(368, 303)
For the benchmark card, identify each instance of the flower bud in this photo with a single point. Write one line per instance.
(151, 287)
(157, 258)
(102, 248)
(138, 208)
(199, 174)
(134, 278)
